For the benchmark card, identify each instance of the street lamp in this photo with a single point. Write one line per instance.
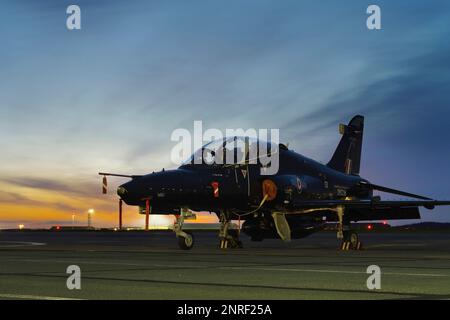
(90, 213)
(73, 221)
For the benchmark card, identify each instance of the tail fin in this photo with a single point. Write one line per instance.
(347, 156)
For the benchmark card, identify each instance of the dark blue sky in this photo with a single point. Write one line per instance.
(108, 96)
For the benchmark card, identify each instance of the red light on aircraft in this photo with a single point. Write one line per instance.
(215, 186)
(385, 222)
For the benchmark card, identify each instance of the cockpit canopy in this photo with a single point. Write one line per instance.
(234, 151)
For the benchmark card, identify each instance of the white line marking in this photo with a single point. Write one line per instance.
(14, 244)
(338, 271)
(78, 261)
(32, 297)
(101, 263)
(233, 268)
(386, 245)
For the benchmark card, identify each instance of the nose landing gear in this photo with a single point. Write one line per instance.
(186, 241)
(185, 238)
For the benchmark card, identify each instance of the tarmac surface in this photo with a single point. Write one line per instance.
(149, 265)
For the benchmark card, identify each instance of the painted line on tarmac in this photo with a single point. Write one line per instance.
(230, 268)
(32, 297)
(445, 257)
(14, 244)
(78, 261)
(338, 271)
(392, 245)
(102, 263)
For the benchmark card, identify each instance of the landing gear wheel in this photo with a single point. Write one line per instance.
(352, 237)
(186, 242)
(231, 241)
(235, 242)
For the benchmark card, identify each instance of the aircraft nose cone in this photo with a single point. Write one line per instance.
(121, 191)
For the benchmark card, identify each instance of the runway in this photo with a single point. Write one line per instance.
(139, 265)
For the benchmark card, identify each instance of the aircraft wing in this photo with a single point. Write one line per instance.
(367, 210)
(375, 204)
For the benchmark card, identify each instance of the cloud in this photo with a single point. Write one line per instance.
(412, 99)
(78, 188)
(18, 199)
(109, 96)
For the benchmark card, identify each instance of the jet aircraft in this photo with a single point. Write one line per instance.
(293, 203)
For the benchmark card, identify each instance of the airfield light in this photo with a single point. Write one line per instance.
(90, 213)
(369, 227)
(21, 226)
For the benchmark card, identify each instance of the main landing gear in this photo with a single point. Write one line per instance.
(349, 237)
(229, 238)
(351, 241)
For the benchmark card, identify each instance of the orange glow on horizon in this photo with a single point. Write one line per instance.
(37, 208)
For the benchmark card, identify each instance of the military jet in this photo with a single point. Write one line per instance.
(293, 203)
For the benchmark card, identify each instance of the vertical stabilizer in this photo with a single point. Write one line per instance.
(347, 156)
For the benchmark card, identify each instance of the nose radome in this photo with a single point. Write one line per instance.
(121, 191)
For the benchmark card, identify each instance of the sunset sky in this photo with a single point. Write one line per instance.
(107, 97)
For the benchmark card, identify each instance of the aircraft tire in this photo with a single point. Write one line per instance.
(352, 237)
(186, 243)
(235, 242)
